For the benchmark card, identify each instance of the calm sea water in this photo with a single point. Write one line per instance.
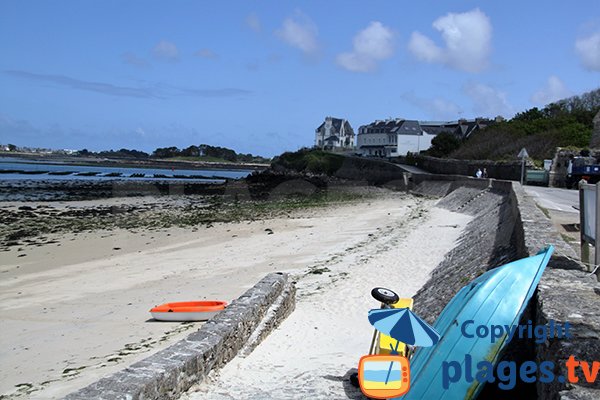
(10, 163)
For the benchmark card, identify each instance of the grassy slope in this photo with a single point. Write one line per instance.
(540, 136)
(565, 123)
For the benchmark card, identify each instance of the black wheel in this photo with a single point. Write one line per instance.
(569, 183)
(354, 380)
(385, 296)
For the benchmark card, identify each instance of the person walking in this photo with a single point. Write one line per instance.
(485, 175)
(478, 173)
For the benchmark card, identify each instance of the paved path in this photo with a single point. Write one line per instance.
(557, 199)
(412, 170)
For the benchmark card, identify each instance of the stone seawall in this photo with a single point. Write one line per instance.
(509, 170)
(369, 170)
(170, 372)
(509, 226)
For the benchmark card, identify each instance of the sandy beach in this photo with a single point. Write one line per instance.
(75, 305)
(313, 352)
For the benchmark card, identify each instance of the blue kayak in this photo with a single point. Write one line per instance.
(496, 298)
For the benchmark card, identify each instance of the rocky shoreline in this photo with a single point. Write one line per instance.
(259, 185)
(132, 163)
(100, 205)
(34, 211)
(81, 189)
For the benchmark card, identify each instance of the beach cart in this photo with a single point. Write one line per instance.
(385, 371)
(381, 343)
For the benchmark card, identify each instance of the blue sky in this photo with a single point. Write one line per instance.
(260, 76)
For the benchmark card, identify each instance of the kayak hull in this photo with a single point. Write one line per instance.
(187, 311)
(498, 297)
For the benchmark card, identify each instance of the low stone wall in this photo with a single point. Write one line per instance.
(170, 372)
(369, 170)
(567, 293)
(508, 170)
(509, 226)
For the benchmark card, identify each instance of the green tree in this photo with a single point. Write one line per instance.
(191, 151)
(165, 152)
(443, 144)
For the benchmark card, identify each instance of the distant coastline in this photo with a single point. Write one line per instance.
(61, 159)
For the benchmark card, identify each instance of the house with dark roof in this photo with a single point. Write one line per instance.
(462, 129)
(334, 134)
(391, 138)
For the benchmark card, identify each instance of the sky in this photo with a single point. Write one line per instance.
(260, 76)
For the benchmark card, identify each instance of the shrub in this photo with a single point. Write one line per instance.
(311, 161)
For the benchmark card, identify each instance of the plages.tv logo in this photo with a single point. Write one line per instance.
(382, 376)
(506, 373)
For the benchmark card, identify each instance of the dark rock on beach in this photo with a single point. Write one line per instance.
(60, 190)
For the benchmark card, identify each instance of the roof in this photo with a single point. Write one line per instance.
(436, 130)
(337, 125)
(398, 126)
(462, 128)
(410, 128)
(437, 123)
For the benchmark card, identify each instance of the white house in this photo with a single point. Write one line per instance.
(392, 137)
(334, 134)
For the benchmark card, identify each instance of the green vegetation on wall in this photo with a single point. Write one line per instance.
(309, 161)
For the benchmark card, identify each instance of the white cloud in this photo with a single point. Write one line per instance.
(424, 48)
(488, 101)
(166, 50)
(301, 32)
(436, 108)
(467, 37)
(253, 22)
(554, 90)
(353, 62)
(588, 50)
(207, 53)
(372, 44)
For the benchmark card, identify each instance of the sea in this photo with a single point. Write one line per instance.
(39, 170)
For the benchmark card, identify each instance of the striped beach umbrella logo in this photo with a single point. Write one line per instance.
(405, 326)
